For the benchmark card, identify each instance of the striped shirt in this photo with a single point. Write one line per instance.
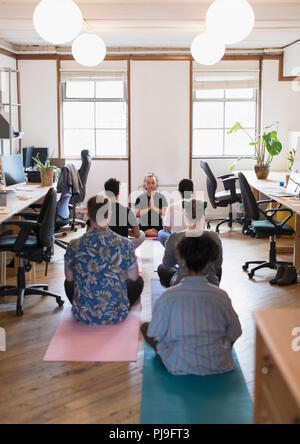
(195, 326)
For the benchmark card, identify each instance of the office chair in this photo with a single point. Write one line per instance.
(268, 227)
(224, 199)
(76, 199)
(34, 243)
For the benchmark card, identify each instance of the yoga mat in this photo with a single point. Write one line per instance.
(75, 342)
(169, 399)
(158, 254)
(152, 238)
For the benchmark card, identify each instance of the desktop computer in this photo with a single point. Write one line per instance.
(29, 153)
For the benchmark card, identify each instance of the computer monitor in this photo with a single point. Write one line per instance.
(43, 154)
(13, 170)
(27, 156)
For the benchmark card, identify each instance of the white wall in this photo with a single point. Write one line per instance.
(291, 65)
(160, 120)
(38, 81)
(9, 62)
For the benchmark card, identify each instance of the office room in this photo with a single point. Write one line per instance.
(150, 214)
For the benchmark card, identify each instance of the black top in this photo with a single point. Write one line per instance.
(152, 219)
(122, 219)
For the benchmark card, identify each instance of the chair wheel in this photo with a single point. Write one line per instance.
(60, 302)
(64, 234)
(208, 226)
(251, 275)
(20, 312)
(245, 267)
(217, 231)
(83, 225)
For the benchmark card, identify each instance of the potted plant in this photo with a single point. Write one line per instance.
(46, 171)
(266, 146)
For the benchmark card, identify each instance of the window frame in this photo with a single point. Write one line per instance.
(95, 100)
(224, 100)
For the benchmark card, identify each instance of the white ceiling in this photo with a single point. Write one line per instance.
(152, 24)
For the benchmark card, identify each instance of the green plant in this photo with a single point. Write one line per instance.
(291, 159)
(266, 144)
(43, 167)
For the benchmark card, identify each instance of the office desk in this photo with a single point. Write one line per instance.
(266, 187)
(16, 205)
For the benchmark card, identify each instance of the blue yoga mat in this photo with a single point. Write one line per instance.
(169, 399)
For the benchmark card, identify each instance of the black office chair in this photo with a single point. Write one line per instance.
(224, 199)
(34, 243)
(268, 227)
(76, 199)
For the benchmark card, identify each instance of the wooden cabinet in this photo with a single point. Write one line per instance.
(277, 394)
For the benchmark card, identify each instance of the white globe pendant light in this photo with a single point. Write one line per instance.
(207, 49)
(57, 21)
(89, 50)
(231, 20)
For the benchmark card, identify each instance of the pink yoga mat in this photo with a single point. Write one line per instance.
(75, 342)
(140, 263)
(158, 254)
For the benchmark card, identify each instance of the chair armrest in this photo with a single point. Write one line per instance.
(23, 223)
(230, 185)
(277, 210)
(36, 206)
(29, 216)
(261, 202)
(226, 176)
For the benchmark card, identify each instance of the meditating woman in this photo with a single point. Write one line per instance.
(173, 269)
(150, 207)
(194, 325)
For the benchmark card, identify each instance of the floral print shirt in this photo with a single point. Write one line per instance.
(99, 261)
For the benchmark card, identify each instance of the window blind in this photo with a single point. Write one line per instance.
(225, 80)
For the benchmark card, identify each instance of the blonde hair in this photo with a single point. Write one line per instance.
(150, 175)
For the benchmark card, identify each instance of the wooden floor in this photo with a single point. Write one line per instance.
(35, 392)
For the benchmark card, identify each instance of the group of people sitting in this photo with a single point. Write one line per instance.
(194, 325)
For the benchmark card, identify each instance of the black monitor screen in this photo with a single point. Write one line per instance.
(12, 167)
(27, 156)
(43, 154)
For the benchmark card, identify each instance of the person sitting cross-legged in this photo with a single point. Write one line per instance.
(194, 325)
(102, 276)
(123, 220)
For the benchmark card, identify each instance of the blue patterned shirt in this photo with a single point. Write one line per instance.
(99, 262)
(195, 326)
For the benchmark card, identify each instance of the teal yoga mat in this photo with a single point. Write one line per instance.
(169, 399)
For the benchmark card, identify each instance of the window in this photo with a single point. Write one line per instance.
(95, 117)
(219, 101)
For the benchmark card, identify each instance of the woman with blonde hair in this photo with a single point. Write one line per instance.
(150, 207)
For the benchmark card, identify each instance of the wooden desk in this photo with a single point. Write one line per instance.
(277, 396)
(16, 205)
(266, 187)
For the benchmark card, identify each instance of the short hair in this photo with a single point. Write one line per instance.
(197, 252)
(99, 209)
(112, 186)
(147, 177)
(194, 209)
(186, 188)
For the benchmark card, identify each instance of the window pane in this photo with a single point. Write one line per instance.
(76, 140)
(109, 90)
(79, 115)
(243, 112)
(208, 142)
(210, 94)
(238, 144)
(111, 143)
(208, 115)
(244, 93)
(80, 90)
(111, 115)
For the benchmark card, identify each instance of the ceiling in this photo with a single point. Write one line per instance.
(152, 24)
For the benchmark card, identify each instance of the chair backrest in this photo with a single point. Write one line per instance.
(47, 219)
(83, 173)
(211, 183)
(248, 199)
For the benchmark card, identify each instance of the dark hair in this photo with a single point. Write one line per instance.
(186, 188)
(113, 186)
(95, 204)
(197, 252)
